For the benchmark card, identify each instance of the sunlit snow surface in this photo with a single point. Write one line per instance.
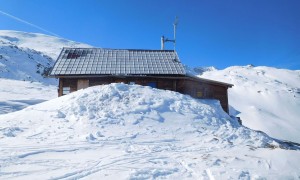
(23, 58)
(266, 98)
(16, 95)
(49, 45)
(122, 131)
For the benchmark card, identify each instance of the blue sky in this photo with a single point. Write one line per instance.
(218, 33)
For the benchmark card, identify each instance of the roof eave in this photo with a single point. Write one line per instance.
(172, 76)
(210, 81)
(114, 75)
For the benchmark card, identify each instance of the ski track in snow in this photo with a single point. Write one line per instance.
(138, 165)
(79, 137)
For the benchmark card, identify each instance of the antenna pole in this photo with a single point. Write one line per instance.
(163, 39)
(175, 25)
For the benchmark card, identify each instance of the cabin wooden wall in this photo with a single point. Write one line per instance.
(196, 89)
(167, 84)
(67, 82)
(204, 90)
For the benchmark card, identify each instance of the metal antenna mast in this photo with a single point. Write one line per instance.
(175, 25)
(163, 39)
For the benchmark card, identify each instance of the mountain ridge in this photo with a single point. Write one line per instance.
(48, 45)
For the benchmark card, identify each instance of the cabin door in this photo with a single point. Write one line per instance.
(82, 83)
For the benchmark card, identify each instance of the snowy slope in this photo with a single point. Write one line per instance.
(122, 131)
(23, 64)
(198, 70)
(266, 98)
(27, 57)
(48, 45)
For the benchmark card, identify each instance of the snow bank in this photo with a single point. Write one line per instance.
(120, 111)
(135, 132)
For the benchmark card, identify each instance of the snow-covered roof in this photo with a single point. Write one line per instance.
(100, 61)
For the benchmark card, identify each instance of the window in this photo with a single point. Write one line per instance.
(199, 94)
(66, 90)
(152, 84)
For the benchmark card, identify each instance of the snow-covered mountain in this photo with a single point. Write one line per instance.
(123, 131)
(23, 63)
(196, 71)
(29, 56)
(48, 45)
(266, 98)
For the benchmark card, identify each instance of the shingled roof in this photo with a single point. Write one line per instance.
(99, 61)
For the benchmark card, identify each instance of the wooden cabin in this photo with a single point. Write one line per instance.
(79, 68)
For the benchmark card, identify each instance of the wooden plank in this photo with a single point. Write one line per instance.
(82, 84)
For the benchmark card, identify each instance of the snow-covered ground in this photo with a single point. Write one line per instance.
(123, 131)
(16, 95)
(266, 98)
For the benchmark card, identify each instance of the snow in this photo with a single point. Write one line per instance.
(48, 45)
(23, 64)
(16, 95)
(265, 98)
(198, 70)
(27, 57)
(123, 131)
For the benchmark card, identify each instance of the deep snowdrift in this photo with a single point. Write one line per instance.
(135, 111)
(266, 98)
(124, 131)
